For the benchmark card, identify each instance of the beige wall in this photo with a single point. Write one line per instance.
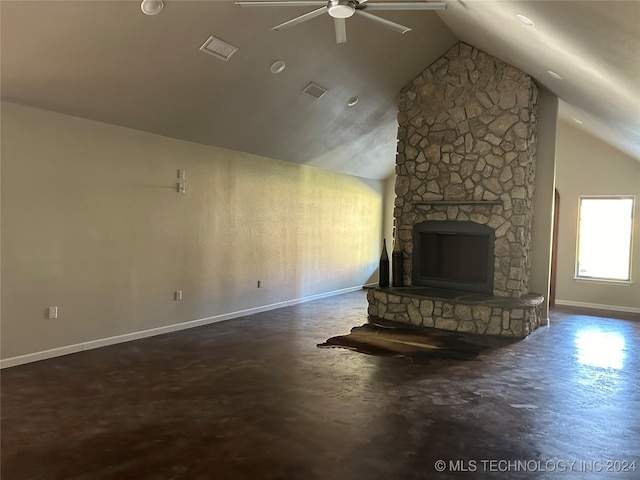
(542, 226)
(388, 199)
(588, 166)
(92, 223)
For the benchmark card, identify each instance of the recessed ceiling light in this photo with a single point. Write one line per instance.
(352, 101)
(526, 20)
(554, 75)
(577, 120)
(278, 66)
(151, 7)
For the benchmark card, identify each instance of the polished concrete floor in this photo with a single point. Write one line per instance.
(254, 398)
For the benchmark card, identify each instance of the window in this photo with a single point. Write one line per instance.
(604, 238)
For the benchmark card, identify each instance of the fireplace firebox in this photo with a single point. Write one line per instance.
(453, 255)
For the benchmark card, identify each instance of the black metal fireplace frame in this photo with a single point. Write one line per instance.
(448, 227)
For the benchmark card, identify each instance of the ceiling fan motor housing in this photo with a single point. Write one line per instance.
(341, 8)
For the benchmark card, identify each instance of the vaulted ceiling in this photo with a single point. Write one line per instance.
(107, 61)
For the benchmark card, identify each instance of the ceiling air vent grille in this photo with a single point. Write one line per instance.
(218, 48)
(314, 90)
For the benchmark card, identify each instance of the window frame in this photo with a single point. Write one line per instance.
(613, 281)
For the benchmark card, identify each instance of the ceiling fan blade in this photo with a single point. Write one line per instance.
(301, 18)
(384, 22)
(307, 3)
(403, 6)
(341, 30)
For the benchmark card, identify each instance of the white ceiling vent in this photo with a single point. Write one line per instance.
(218, 48)
(314, 90)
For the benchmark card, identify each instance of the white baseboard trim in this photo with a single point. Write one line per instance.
(597, 306)
(127, 337)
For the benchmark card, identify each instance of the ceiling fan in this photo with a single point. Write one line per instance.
(343, 9)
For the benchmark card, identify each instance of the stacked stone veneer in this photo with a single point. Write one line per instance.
(466, 152)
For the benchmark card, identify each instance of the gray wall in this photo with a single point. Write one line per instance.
(588, 166)
(92, 223)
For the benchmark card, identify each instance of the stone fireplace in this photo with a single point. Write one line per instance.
(464, 198)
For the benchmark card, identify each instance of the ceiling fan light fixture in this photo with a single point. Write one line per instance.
(151, 7)
(341, 8)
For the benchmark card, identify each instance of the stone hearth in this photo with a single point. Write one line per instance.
(456, 311)
(466, 153)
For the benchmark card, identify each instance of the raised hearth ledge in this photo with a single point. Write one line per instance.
(456, 311)
(457, 202)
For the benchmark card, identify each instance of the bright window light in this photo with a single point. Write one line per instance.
(604, 238)
(597, 348)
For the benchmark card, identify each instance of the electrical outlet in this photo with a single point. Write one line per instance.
(178, 295)
(53, 312)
